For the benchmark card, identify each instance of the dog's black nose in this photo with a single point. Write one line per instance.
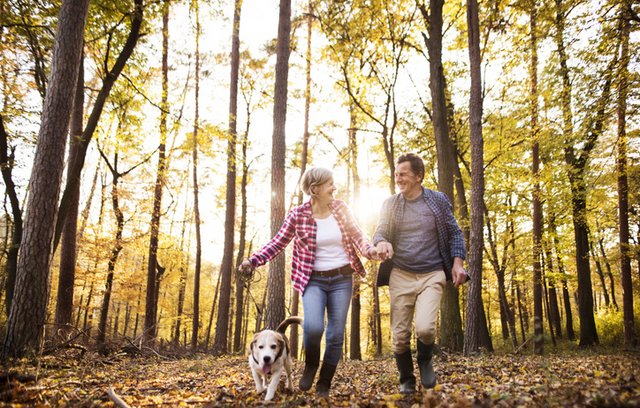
(267, 359)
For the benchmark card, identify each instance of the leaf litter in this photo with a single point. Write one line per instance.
(596, 380)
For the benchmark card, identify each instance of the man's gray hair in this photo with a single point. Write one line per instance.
(314, 177)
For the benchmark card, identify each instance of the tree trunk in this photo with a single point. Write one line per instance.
(240, 303)
(444, 147)
(29, 307)
(554, 312)
(565, 291)
(222, 324)
(66, 276)
(623, 187)
(538, 328)
(213, 311)
(6, 167)
(607, 265)
(377, 319)
(195, 325)
(115, 251)
(152, 262)
(354, 344)
(92, 122)
(475, 319)
(451, 325)
(600, 274)
(275, 282)
(295, 297)
(576, 173)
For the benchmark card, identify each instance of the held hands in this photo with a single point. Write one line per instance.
(375, 255)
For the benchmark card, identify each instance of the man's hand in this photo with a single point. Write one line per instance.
(458, 274)
(385, 250)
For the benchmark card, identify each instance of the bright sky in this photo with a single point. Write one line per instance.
(259, 22)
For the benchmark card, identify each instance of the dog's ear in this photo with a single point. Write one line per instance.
(253, 342)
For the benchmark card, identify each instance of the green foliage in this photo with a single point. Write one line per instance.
(610, 326)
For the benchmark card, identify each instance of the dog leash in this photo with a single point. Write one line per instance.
(247, 280)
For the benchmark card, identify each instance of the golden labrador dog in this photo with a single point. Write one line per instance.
(269, 356)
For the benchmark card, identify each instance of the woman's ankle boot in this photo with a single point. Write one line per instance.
(311, 362)
(324, 379)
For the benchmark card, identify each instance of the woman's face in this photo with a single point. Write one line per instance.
(324, 191)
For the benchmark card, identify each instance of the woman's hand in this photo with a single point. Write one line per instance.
(245, 268)
(373, 254)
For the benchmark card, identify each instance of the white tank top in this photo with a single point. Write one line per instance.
(330, 253)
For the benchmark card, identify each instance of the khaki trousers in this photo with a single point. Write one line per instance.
(414, 292)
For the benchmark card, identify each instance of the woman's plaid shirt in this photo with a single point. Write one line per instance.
(300, 224)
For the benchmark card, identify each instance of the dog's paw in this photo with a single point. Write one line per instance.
(260, 390)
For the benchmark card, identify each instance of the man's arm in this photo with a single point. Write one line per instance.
(456, 244)
(382, 236)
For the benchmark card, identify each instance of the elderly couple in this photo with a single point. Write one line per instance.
(420, 243)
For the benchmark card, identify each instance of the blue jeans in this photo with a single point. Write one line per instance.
(332, 294)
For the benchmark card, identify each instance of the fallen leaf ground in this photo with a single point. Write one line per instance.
(584, 379)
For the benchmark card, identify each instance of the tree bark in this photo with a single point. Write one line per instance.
(623, 187)
(275, 282)
(115, 250)
(566, 299)
(554, 311)
(222, 324)
(607, 265)
(240, 304)
(28, 310)
(68, 251)
(295, 297)
(182, 286)
(92, 122)
(538, 318)
(195, 325)
(577, 164)
(354, 344)
(451, 325)
(475, 318)
(151, 305)
(6, 167)
(600, 274)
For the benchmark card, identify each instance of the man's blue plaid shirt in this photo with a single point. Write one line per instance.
(450, 238)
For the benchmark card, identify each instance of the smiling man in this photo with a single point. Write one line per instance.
(419, 235)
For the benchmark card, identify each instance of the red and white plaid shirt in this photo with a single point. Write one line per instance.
(299, 223)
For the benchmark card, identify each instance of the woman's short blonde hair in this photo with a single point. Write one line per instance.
(314, 177)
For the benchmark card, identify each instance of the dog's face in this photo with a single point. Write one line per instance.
(266, 346)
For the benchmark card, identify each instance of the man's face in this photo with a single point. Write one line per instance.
(406, 179)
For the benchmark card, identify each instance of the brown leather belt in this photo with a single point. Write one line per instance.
(345, 270)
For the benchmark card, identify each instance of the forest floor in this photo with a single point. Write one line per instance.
(586, 378)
